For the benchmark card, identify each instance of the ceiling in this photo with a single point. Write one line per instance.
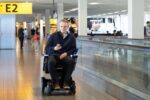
(107, 6)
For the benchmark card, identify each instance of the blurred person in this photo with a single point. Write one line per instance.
(25, 33)
(114, 32)
(147, 29)
(72, 31)
(32, 35)
(21, 36)
(36, 41)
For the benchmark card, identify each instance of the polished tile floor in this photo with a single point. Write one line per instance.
(20, 78)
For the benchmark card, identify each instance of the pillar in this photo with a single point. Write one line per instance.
(60, 10)
(82, 17)
(136, 19)
(47, 22)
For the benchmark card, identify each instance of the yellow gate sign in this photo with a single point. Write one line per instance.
(15, 8)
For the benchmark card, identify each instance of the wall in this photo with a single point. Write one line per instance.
(7, 32)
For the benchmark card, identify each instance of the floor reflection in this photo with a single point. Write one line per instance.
(20, 78)
(130, 66)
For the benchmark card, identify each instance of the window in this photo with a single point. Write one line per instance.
(110, 20)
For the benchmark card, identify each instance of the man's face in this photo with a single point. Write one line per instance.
(63, 27)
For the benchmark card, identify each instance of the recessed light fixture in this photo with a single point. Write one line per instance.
(116, 12)
(71, 10)
(74, 9)
(94, 3)
(66, 11)
(123, 10)
(109, 13)
(89, 16)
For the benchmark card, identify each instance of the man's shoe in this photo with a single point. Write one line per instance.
(56, 85)
(66, 86)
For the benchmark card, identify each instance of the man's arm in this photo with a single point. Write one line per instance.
(68, 53)
(73, 47)
(49, 49)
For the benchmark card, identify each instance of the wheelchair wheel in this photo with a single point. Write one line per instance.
(44, 84)
(61, 84)
(50, 88)
(72, 88)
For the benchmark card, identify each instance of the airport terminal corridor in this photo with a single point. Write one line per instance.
(113, 44)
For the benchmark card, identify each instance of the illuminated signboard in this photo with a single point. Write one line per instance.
(15, 8)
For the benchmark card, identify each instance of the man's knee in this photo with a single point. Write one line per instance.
(70, 61)
(51, 60)
(70, 64)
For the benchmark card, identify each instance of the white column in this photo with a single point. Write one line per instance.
(8, 32)
(136, 19)
(82, 17)
(40, 21)
(47, 22)
(41, 32)
(60, 10)
(33, 25)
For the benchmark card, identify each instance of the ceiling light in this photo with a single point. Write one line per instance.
(66, 11)
(74, 9)
(109, 13)
(123, 10)
(89, 16)
(116, 12)
(94, 3)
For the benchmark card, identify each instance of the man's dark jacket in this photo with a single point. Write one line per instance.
(21, 33)
(68, 44)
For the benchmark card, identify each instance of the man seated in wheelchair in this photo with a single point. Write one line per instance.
(59, 47)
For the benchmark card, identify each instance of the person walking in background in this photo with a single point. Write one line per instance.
(114, 32)
(36, 41)
(147, 29)
(25, 33)
(21, 36)
(32, 32)
(32, 35)
(72, 31)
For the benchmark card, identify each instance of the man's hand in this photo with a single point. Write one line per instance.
(63, 55)
(57, 47)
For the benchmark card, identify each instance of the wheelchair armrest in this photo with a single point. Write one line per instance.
(45, 55)
(74, 56)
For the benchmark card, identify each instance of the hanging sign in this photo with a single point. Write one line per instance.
(15, 8)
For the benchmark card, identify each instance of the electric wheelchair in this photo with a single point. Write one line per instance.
(46, 80)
